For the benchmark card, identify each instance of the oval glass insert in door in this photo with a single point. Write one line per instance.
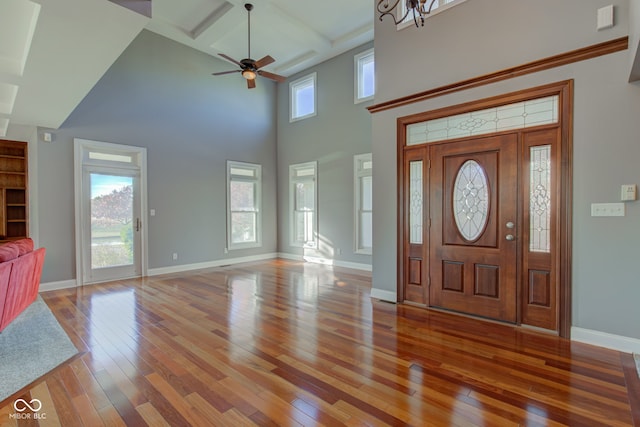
(471, 200)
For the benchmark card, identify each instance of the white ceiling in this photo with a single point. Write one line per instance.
(52, 52)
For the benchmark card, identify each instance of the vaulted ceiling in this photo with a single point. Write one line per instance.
(52, 52)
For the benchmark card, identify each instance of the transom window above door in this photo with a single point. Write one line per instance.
(519, 115)
(437, 7)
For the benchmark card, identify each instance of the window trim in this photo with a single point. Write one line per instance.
(295, 85)
(257, 179)
(357, 76)
(293, 180)
(358, 173)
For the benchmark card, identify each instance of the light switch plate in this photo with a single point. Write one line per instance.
(607, 209)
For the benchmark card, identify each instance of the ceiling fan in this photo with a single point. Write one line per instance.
(251, 68)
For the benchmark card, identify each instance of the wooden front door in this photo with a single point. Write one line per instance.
(473, 194)
(485, 216)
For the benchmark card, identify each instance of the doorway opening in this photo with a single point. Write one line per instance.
(110, 199)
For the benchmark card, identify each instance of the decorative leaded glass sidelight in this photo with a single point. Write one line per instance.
(471, 200)
(540, 199)
(415, 202)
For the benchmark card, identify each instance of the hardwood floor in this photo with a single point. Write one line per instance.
(282, 343)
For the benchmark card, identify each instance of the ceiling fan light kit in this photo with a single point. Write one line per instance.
(249, 74)
(250, 68)
(417, 8)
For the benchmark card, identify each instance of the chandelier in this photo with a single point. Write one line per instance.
(417, 8)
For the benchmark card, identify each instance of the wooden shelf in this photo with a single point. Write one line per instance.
(14, 212)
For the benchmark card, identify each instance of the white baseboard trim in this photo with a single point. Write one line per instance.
(66, 284)
(604, 339)
(55, 286)
(326, 261)
(291, 257)
(337, 263)
(353, 265)
(209, 264)
(383, 295)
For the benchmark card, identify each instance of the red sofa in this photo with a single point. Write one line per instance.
(20, 271)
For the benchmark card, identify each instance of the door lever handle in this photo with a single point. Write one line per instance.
(138, 224)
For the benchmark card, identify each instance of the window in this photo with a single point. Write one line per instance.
(365, 84)
(303, 200)
(363, 168)
(303, 98)
(244, 220)
(437, 7)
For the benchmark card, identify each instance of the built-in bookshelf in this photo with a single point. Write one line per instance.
(14, 209)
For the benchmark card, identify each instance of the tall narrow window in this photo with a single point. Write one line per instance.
(363, 168)
(415, 202)
(244, 182)
(303, 98)
(540, 199)
(365, 80)
(303, 200)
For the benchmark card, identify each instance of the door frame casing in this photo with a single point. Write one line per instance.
(564, 90)
(80, 147)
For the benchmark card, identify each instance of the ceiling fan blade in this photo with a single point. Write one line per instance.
(272, 76)
(226, 72)
(264, 61)
(251, 83)
(228, 58)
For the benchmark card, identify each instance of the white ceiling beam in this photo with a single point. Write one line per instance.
(297, 61)
(18, 21)
(211, 20)
(364, 32)
(4, 125)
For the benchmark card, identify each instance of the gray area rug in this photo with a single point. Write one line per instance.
(32, 345)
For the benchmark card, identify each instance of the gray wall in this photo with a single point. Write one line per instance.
(606, 128)
(161, 95)
(340, 130)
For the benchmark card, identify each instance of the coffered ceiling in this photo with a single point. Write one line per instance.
(296, 33)
(52, 52)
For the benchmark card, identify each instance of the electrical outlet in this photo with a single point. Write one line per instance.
(175, 256)
(607, 209)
